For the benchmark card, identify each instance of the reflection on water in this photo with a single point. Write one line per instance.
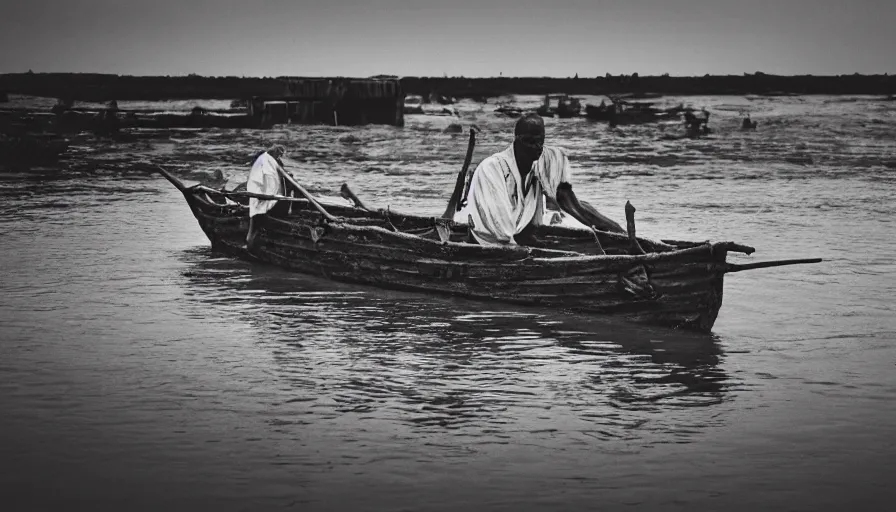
(456, 363)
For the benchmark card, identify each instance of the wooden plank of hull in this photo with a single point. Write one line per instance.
(599, 296)
(693, 299)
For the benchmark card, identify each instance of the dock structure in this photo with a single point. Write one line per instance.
(336, 102)
(330, 101)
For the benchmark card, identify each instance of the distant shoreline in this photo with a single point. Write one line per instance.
(104, 87)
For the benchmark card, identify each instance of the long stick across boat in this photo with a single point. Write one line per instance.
(672, 283)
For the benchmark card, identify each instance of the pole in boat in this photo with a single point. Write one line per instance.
(600, 248)
(307, 195)
(630, 227)
(454, 202)
(225, 193)
(734, 267)
(347, 193)
(636, 280)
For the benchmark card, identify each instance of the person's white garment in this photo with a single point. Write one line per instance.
(500, 205)
(264, 179)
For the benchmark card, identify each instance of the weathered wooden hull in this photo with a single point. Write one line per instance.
(362, 248)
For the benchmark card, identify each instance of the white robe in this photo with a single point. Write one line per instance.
(264, 179)
(500, 205)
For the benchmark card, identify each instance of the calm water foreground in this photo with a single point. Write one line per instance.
(141, 371)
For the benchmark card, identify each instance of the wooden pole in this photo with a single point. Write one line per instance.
(254, 195)
(630, 226)
(454, 202)
(600, 248)
(307, 195)
(347, 193)
(734, 267)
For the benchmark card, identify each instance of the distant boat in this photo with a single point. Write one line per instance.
(629, 112)
(640, 96)
(417, 105)
(435, 97)
(564, 107)
(413, 104)
(778, 93)
(509, 111)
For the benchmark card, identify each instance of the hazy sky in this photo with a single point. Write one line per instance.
(453, 37)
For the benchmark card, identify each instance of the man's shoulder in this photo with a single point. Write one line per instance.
(491, 162)
(553, 158)
(491, 159)
(556, 150)
(498, 157)
(266, 163)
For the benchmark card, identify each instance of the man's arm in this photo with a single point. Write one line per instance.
(582, 211)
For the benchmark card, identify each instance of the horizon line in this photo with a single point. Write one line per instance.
(446, 77)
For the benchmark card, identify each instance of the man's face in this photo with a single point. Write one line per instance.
(530, 145)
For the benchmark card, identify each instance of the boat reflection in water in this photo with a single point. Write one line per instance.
(451, 362)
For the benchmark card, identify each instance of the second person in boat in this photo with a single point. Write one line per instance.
(265, 178)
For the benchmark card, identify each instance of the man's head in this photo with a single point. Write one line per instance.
(277, 151)
(529, 136)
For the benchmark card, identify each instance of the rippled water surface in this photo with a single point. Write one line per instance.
(141, 371)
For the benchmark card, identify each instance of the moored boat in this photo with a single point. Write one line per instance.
(673, 283)
(628, 112)
(509, 111)
(413, 104)
(560, 105)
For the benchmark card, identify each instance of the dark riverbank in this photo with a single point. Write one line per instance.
(99, 87)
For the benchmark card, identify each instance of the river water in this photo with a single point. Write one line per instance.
(141, 371)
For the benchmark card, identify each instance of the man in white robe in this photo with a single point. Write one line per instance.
(507, 190)
(264, 178)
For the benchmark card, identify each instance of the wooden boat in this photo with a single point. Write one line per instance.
(560, 105)
(509, 111)
(413, 104)
(627, 112)
(673, 283)
(640, 96)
